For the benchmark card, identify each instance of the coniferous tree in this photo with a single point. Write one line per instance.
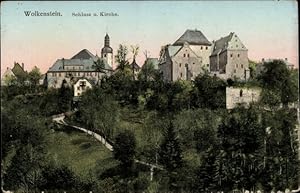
(170, 153)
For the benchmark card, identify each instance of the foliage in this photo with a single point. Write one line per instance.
(124, 148)
(34, 76)
(278, 78)
(209, 92)
(170, 153)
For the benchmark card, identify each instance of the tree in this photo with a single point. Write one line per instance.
(278, 78)
(64, 97)
(34, 76)
(124, 148)
(135, 52)
(209, 92)
(170, 153)
(99, 67)
(121, 57)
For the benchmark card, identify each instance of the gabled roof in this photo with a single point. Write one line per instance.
(84, 78)
(193, 37)
(221, 44)
(87, 64)
(83, 54)
(135, 65)
(173, 50)
(18, 71)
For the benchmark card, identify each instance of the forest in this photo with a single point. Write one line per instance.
(182, 126)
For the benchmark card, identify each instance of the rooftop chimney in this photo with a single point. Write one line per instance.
(286, 59)
(22, 65)
(63, 63)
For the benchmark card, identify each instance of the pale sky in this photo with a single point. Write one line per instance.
(269, 29)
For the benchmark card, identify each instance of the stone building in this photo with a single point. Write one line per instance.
(186, 58)
(81, 65)
(241, 96)
(229, 58)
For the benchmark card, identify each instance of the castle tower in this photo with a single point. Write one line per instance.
(107, 51)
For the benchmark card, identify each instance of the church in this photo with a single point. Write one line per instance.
(193, 54)
(81, 65)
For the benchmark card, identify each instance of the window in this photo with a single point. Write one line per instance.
(236, 46)
(193, 63)
(59, 74)
(188, 55)
(241, 93)
(234, 71)
(104, 55)
(78, 94)
(238, 55)
(242, 66)
(183, 55)
(231, 55)
(179, 64)
(201, 48)
(180, 74)
(207, 65)
(236, 65)
(73, 67)
(78, 87)
(206, 47)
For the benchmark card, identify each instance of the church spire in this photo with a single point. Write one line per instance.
(106, 41)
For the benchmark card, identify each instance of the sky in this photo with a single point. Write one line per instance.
(269, 29)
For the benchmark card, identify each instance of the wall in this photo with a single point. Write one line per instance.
(186, 57)
(233, 97)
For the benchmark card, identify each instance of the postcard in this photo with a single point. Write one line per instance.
(150, 96)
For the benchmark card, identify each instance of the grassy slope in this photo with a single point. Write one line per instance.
(80, 152)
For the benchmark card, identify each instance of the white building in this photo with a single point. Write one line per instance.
(81, 65)
(81, 86)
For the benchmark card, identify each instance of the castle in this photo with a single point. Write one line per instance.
(81, 65)
(193, 54)
(189, 56)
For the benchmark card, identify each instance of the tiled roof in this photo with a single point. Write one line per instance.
(173, 50)
(83, 58)
(87, 65)
(18, 71)
(221, 44)
(83, 54)
(193, 37)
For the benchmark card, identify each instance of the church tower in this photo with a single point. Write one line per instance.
(107, 51)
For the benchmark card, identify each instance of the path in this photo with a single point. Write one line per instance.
(60, 120)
